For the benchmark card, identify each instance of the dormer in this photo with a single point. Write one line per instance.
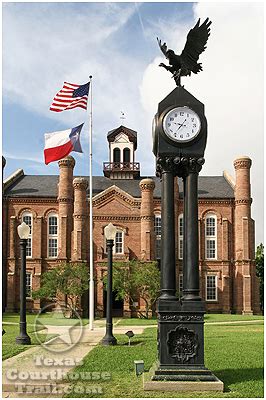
(122, 147)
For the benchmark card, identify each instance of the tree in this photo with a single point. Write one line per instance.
(146, 281)
(65, 280)
(136, 279)
(259, 261)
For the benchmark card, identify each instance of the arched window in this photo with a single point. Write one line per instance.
(52, 236)
(126, 155)
(180, 236)
(116, 155)
(27, 218)
(158, 233)
(211, 237)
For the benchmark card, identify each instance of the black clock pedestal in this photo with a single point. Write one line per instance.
(180, 363)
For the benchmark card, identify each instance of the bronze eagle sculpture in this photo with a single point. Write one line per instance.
(187, 61)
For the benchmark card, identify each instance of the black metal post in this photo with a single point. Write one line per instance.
(168, 265)
(191, 260)
(109, 339)
(23, 337)
(184, 235)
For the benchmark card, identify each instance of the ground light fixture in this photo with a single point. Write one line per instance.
(23, 232)
(139, 367)
(130, 335)
(110, 233)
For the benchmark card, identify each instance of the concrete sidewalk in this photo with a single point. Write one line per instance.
(38, 369)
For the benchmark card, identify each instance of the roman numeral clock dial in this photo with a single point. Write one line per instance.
(181, 124)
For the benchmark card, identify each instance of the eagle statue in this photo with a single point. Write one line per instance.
(187, 61)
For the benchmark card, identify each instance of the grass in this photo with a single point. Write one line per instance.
(46, 319)
(233, 352)
(9, 346)
(208, 318)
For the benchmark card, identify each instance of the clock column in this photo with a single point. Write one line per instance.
(168, 264)
(191, 288)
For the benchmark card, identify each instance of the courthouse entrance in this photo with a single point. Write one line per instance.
(117, 305)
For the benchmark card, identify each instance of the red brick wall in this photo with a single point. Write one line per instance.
(237, 283)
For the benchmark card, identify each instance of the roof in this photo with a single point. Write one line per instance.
(210, 187)
(132, 135)
(122, 128)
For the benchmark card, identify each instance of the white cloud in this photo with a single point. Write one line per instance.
(47, 49)
(35, 159)
(230, 86)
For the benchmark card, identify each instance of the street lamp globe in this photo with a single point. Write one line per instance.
(110, 231)
(23, 231)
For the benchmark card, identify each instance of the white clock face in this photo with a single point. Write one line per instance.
(181, 124)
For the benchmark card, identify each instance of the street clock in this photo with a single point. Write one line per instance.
(180, 126)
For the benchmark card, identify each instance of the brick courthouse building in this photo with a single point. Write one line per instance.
(56, 208)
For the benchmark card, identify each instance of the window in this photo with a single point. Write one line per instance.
(27, 218)
(210, 237)
(211, 288)
(28, 284)
(118, 243)
(52, 236)
(116, 154)
(180, 284)
(118, 246)
(158, 233)
(180, 236)
(126, 155)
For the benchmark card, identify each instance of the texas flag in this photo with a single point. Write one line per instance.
(59, 144)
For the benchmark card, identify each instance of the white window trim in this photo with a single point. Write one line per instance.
(123, 242)
(49, 236)
(180, 238)
(211, 215)
(114, 248)
(216, 288)
(29, 273)
(29, 214)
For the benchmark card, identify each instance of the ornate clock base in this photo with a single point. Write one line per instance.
(181, 348)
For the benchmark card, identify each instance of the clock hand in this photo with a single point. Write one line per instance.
(181, 125)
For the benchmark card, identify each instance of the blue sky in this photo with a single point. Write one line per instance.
(45, 44)
(133, 40)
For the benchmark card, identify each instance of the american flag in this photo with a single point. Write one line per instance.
(71, 96)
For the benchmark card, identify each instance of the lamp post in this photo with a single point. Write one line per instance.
(110, 232)
(23, 232)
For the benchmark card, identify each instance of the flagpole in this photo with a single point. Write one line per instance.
(91, 286)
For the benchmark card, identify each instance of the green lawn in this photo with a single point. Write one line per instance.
(208, 318)
(46, 318)
(9, 346)
(233, 352)
(11, 326)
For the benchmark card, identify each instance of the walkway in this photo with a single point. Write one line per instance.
(39, 368)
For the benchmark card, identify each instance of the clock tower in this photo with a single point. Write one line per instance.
(179, 142)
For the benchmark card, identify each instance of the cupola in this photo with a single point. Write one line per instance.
(122, 147)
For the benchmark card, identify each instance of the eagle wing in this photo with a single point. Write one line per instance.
(196, 43)
(163, 47)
